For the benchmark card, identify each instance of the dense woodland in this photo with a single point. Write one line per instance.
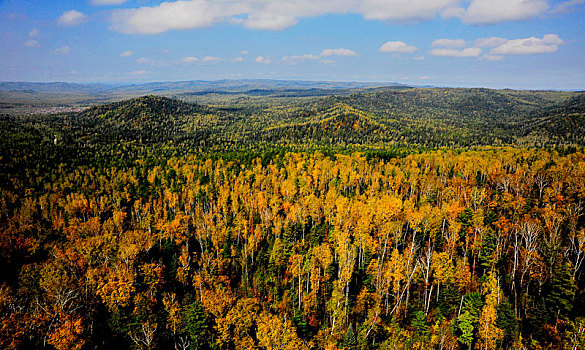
(391, 117)
(322, 223)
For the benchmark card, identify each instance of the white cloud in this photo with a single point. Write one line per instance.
(126, 53)
(482, 12)
(449, 43)
(178, 15)
(190, 59)
(108, 2)
(271, 21)
(310, 57)
(210, 59)
(527, 46)
(453, 12)
(281, 14)
(144, 60)
(269, 15)
(403, 10)
(32, 43)
(320, 57)
(139, 72)
(397, 47)
(468, 52)
(419, 58)
(300, 58)
(34, 33)
(499, 47)
(71, 18)
(338, 52)
(238, 59)
(490, 42)
(62, 50)
(262, 59)
(244, 52)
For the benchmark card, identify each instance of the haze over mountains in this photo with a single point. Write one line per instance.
(193, 85)
(28, 97)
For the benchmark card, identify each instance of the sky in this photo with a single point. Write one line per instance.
(518, 44)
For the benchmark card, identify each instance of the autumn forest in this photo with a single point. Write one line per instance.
(386, 218)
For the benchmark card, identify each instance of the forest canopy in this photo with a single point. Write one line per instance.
(385, 219)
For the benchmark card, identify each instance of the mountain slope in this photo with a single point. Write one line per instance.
(339, 124)
(148, 119)
(562, 123)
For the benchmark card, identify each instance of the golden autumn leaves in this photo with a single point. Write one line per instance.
(310, 251)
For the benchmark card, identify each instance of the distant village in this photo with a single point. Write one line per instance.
(53, 110)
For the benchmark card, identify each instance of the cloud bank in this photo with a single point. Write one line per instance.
(529, 46)
(498, 47)
(281, 14)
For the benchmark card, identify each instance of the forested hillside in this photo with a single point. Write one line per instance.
(388, 117)
(387, 219)
(563, 123)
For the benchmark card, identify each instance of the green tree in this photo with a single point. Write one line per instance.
(465, 324)
(507, 322)
(196, 325)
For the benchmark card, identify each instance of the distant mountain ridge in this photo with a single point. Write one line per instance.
(30, 98)
(54, 87)
(191, 85)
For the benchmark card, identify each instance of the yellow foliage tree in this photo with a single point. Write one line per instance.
(277, 334)
(68, 334)
(488, 333)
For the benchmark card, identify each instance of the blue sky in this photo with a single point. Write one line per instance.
(521, 44)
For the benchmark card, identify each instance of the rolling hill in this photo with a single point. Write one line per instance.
(431, 117)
